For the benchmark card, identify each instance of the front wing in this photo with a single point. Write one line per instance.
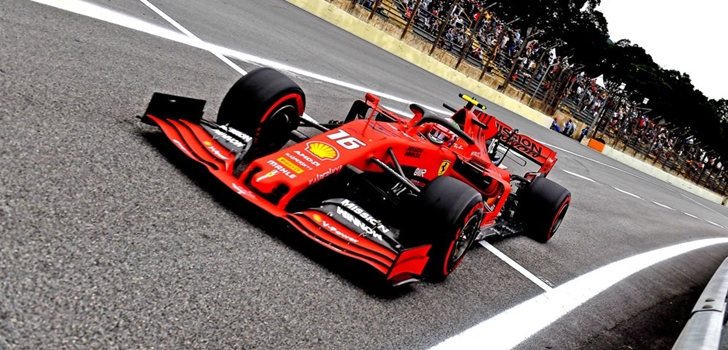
(220, 149)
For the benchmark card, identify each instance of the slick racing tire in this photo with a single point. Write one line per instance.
(543, 207)
(449, 216)
(266, 105)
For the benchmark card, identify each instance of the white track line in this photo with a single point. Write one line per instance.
(627, 193)
(533, 278)
(191, 36)
(714, 224)
(661, 205)
(209, 48)
(593, 160)
(701, 204)
(511, 327)
(103, 14)
(690, 215)
(577, 175)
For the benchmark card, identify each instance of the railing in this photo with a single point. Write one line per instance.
(461, 39)
(675, 160)
(705, 326)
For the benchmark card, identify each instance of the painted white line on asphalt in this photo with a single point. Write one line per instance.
(594, 161)
(700, 204)
(690, 215)
(511, 327)
(398, 111)
(661, 205)
(627, 193)
(714, 224)
(103, 14)
(533, 278)
(191, 36)
(577, 175)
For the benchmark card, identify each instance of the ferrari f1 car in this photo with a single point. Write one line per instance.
(407, 195)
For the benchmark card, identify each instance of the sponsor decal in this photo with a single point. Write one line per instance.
(420, 172)
(231, 140)
(348, 216)
(322, 150)
(320, 176)
(331, 228)
(413, 152)
(521, 143)
(266, 176)
(216, 152)
(298, 161)
(364, 215)
(283, 170)
(345, 140)
(305, 157)
(288, 164)
(443, 167)
(418, 183)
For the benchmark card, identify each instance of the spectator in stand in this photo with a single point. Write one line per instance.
(583, 133)
(569, 128)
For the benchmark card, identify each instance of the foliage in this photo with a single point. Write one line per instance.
(583, 30)
(671, 94)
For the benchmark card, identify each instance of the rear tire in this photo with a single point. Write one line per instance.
(265, 104)
(448, 216)
(543, 206)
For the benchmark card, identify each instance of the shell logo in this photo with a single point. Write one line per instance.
(322, 150)
(317, 218)
(207, 143)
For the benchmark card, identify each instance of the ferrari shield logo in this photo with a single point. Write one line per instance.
(443, 167)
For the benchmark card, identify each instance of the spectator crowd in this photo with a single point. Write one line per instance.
(473, 29)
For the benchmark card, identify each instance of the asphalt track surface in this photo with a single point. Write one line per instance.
(110, 239)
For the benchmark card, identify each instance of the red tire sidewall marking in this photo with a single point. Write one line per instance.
(556, 217)
(446, 271)
(294, 95)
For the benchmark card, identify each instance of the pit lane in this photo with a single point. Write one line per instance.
(110, 238)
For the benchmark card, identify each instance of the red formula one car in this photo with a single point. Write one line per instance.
(406, 195)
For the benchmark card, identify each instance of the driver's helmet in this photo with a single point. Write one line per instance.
(437, 134)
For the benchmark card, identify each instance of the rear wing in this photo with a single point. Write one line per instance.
(520, 143)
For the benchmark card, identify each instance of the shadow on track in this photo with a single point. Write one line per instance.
(358, 274)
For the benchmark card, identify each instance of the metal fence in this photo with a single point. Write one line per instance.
(466, 41)
(680, 159)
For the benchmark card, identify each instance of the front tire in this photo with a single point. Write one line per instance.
(265, 104)
(449, 214)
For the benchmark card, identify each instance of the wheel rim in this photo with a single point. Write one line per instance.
(269, 135)
(557, 223)
(464, 239)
